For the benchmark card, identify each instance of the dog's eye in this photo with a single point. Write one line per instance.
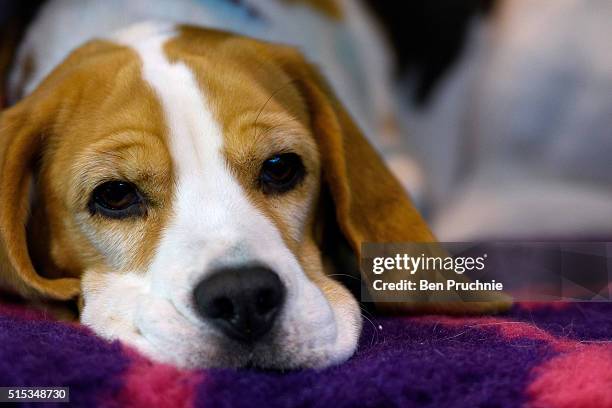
(281, 173)
(116, 199)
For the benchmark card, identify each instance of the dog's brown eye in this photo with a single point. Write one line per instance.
(116, 199)
(281, 173)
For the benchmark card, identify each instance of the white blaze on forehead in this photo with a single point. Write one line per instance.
(204, 183)
(179, 94)
(212, 218)
(213, 224)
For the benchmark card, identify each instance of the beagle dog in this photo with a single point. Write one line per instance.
(183, 184)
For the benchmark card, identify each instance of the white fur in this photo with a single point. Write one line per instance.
(213, 225)
(351, 53)
(360, 74)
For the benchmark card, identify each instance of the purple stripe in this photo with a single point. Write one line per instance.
(46, 353)
(408, 363)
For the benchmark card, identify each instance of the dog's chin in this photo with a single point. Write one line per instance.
(123, 310)
(174, 339)
(229, 354)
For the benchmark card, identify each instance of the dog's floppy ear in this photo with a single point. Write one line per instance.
(22, 138)
(24, 132)
(370, 203)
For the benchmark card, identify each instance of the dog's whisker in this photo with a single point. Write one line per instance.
(268, 101)
(375, 334)
(344, 274)
(364, 310)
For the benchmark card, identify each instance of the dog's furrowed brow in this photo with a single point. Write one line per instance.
(138, 158)
(120, 149)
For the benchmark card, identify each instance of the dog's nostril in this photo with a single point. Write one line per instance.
(241, 302)
(221, 308)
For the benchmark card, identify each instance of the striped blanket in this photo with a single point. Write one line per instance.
(556, 355)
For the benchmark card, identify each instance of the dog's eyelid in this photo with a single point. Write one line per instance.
(118, 199)
(135, 215)
(280, 173)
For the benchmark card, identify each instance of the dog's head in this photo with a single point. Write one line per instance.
(178, 179)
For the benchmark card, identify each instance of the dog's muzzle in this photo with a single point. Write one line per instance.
(242, 303)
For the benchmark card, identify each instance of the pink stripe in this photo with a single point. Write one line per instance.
(23, 312)
(508, 329)
(151, 384)
(578, 379)
(580, 376)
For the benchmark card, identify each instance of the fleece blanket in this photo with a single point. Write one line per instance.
(536, 355)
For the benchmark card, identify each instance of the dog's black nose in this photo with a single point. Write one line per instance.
(242, 302)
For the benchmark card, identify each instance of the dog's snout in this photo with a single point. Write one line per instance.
(242, 302)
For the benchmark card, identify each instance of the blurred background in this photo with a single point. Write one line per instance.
(508, 111)
(505, 111)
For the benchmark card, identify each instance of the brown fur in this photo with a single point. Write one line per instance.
(329, 8)
(73, 132)
(94, 118)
